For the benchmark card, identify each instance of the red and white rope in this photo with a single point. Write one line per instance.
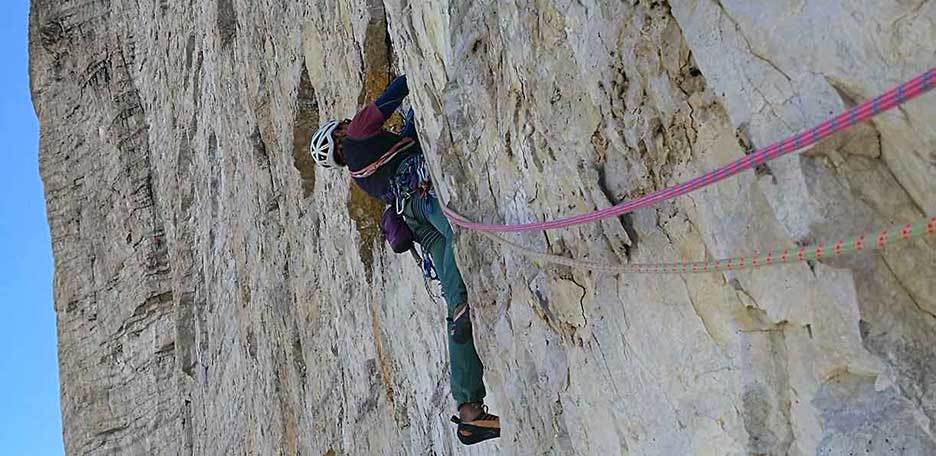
(889, 100)
(818, 251)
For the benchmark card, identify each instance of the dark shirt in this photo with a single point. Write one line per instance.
(367, 141)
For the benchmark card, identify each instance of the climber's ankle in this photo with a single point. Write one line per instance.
(470, 410)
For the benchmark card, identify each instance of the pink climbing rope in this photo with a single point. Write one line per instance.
(889, 100)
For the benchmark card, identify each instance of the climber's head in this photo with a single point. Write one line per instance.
(326, 144)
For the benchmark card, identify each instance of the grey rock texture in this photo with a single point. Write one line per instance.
(218, 295)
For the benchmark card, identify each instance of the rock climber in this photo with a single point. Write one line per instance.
(390, 167)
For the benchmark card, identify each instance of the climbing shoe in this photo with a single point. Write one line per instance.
(484, 427)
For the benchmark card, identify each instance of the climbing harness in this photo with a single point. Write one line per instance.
(889, 100)
(412, 179)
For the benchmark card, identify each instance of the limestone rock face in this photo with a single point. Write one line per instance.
(216, 294)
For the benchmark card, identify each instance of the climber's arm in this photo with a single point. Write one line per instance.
(392, 96)
(369, 120)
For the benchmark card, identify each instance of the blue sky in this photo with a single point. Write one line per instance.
(30, 423)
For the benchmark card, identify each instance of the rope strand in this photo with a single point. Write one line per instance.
(818, 251)
(889, 100)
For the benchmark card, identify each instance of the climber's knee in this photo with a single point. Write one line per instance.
(460, 325)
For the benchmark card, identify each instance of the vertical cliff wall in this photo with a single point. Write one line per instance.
(216, 294)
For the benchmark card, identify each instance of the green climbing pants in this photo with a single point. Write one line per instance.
(433, 233)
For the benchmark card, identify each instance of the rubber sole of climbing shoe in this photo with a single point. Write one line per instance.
(486, 427)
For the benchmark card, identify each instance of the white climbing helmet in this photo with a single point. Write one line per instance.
(322, 147)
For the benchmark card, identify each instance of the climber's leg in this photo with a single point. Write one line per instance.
(435, 236)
